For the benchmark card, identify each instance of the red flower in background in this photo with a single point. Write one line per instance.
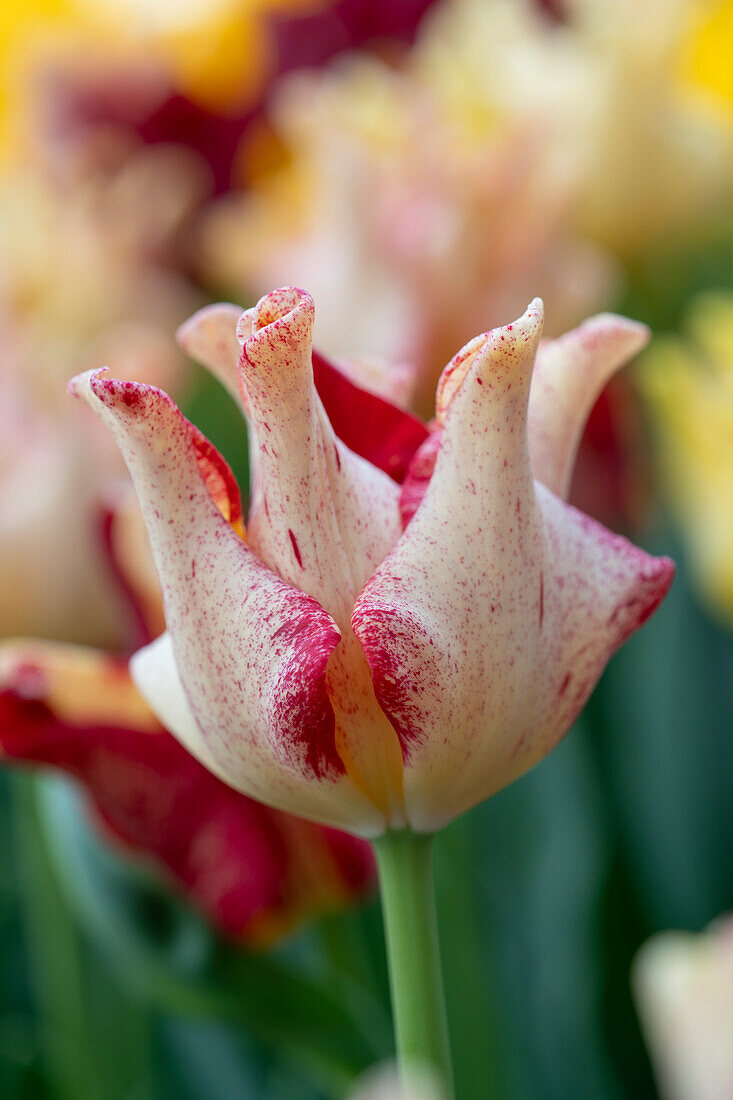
(143, 103)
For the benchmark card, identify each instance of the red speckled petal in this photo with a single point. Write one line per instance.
(240, 862)
(370, 425)
(130, 562)
(489, 624)
(322, 518)
(569, 375)
(327, 518)
(418, 475)
(251, 649)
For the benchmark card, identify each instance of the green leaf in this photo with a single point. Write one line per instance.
(168, 956)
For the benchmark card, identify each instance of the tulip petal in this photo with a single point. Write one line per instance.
(329, 516)
(251, 870)
(488, 625)
(322, 518)
(251, 650)
(210, 338)
(569, 375)
(369, 424)
(131, 562)
(81, 687)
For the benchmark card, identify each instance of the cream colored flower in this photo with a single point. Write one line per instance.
(447, 190)
(438, 198)
(684, 992)
(78, 284)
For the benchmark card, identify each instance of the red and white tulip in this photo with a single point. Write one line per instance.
(332, 662)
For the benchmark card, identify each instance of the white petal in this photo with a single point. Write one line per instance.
(568, 378)
(488, 625)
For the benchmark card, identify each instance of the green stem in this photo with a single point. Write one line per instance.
(411, 930)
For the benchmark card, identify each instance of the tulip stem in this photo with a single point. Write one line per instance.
(411, 932)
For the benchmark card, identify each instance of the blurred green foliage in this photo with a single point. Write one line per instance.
(113, 990)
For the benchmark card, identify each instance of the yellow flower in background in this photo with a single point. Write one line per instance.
(217, 50)
(688, 382)
(631, 91)
(657, 152)
(707, 53)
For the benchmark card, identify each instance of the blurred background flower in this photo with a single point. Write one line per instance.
(253, 872)
(433, 166)
(684, 991)
(688, 379)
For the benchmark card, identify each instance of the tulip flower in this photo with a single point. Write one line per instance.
(332, 664)
(684, 993)
(365, 645)
(254, 872)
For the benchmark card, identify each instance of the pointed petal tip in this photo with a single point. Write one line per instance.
(659, 579)
(499, 350)
(628, 335)
(99, 387)
(276, 333)
(119, 394)
(524, 330)
(653, 582)
(81, 385)
(534, 312)
(281, 303)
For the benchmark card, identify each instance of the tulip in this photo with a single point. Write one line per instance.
(684, 992)
(332, 664)
(365, 645)
(252, 871)
(42, 489)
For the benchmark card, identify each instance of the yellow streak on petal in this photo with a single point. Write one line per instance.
(365, 738)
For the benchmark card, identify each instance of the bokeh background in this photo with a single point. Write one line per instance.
(424, 169)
